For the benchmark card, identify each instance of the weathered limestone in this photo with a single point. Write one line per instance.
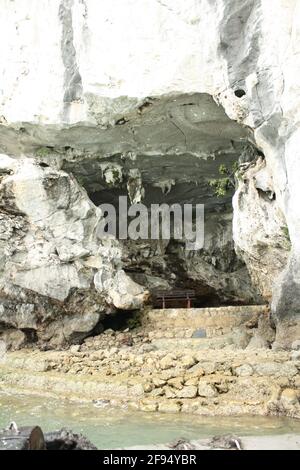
(52, 259)
(241, 384)
(214, 317)
(110, 372)
(259, 226)
(124, 96)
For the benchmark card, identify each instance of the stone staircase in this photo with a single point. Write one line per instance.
(211, 361)
(203, 328)
(214, 317)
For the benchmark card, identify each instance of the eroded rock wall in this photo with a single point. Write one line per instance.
(58, 278)
(83, 80)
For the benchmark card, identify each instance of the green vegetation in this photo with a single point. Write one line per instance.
(286, 242)
(223, 185)
(117, 177)
(81, 180)
(44, 151)
(286, 232)
(134, 321)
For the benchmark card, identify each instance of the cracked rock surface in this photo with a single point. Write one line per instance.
(146, 99)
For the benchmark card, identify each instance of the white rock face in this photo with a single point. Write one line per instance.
(259, 226)
(50, 249)
(71, 70)
(89, 55)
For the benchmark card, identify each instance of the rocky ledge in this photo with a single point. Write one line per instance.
(220, 364)
(33, 438)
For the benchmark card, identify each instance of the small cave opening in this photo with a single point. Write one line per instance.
(14, 338)
(239, 93)
(267, 195)
(31, 335)
(121, 320)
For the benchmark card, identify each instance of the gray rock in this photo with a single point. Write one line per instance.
(287, 369)
(189, 391)
(53, 285)
(13, 339)
(296, 345)
(244, 371)
(258, 342)
(289, 397)
(67, 440)
(206, 390)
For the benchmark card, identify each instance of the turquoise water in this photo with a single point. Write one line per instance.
(110, 428)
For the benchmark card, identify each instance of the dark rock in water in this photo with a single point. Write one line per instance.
(101, 403)
(32, 438)
(181, 444)
(67, 440)
(228, 441)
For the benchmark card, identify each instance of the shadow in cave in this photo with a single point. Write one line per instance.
(188, 152)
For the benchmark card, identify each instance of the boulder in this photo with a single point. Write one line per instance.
(188, 391)
(13, 339)
(206, 390)
(169, 407)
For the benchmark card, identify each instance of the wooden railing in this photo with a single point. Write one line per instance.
(164, 298)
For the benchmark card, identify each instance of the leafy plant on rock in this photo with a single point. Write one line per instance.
(224, 184)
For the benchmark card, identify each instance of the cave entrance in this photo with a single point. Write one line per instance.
(178, 149)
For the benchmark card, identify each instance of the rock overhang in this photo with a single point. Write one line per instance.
(174, 141)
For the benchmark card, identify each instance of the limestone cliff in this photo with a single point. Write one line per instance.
(149, 98)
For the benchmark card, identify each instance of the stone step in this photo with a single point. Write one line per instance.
(234, 340)
(65, 385)
(212, 317)
(204, 382)
(189, 344)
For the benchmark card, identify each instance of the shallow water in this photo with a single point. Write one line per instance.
(113, 428)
